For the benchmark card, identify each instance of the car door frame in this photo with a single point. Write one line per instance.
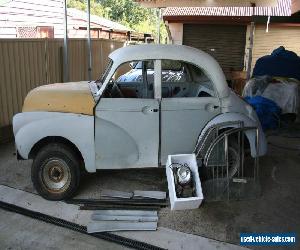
(158, 73)
(127, 164)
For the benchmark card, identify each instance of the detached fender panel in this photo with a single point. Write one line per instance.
(251, 134)
(31, 127)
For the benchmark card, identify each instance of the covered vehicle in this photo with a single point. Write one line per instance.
(114, 123)
(281, 63)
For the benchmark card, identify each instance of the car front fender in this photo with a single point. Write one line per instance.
(250, 134)
(31, 127)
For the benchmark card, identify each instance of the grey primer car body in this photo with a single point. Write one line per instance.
(141, 132)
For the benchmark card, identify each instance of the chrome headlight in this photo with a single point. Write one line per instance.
(184, 175)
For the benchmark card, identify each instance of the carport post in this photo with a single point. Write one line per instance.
(65, 49)
(250, 51)
(89, 39)
(158, 25)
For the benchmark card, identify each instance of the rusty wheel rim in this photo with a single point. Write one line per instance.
(56, 175)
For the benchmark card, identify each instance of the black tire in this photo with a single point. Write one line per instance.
(233, 155)
(55, 172)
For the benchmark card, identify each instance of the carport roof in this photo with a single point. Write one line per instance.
(282, 9)
(194, 3)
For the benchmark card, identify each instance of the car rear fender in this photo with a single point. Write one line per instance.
(227, 118)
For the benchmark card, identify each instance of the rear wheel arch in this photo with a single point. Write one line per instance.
(233, 150)
(250, 135)
(246, 139)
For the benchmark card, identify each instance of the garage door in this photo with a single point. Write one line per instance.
(226, 43)
(265, 43)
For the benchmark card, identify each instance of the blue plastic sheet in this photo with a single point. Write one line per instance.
(267, 111)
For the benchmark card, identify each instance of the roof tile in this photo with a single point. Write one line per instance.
(282, 9)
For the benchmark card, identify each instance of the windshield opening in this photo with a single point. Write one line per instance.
(105, 73)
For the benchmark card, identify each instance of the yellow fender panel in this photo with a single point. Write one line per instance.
(72, 97)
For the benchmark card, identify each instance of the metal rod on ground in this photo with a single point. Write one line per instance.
(119, 202)
(75, 227)
(127, 213)
(112, 199)
(89, 40)
(65, 50)
(116, 194)
(149, 194)
(111, 226)
(118, 207)
(100, 217)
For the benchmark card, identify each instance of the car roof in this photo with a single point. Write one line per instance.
(174, 52)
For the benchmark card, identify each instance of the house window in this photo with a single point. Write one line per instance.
(35, 32)
(45, 32)
(26, 32)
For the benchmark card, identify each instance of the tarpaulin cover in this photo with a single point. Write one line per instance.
(267, 111)
(256, 86)
(281, 62)
(284, 92)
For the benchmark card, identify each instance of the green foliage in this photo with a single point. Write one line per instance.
(96, 8)
(125, 12)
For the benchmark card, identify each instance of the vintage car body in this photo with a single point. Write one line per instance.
(118, 133)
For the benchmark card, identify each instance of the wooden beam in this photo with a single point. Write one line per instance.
(209, 19)
(205, 3)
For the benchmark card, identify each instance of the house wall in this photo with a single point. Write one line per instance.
(8, 32)
(32, 13)
(22, 13)
(176, 30)
(295, 6)
(265, 42)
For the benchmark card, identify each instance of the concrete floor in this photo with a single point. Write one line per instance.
(276, 210)
(44, 236)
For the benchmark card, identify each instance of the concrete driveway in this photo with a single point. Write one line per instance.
(20, 232)
(276, 210)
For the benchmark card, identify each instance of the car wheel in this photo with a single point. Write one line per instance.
(55, 172)
(233, 164)
(233, 158)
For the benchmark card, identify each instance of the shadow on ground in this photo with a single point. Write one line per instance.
(276, 210)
